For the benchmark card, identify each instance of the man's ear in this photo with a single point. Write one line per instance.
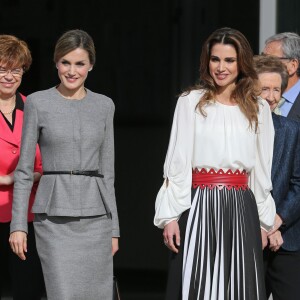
(292, 66)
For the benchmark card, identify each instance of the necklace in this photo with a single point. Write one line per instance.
(11, 111)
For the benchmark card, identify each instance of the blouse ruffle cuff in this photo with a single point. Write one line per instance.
(267, 212)
(171, 202)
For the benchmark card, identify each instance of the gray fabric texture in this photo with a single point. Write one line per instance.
(72, 135)
(76, 256)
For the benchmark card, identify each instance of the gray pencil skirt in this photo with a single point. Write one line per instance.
(76, 258)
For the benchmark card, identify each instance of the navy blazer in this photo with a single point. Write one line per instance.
(294, 113)
(286, 179)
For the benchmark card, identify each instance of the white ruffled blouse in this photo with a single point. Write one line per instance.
(221, 140)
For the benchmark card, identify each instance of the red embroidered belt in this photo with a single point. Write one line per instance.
(211, 179)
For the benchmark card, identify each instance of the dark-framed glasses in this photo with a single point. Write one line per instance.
(17, 72)
(279, 57)
(282, 58)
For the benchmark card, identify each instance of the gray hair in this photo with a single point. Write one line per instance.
(290, 44)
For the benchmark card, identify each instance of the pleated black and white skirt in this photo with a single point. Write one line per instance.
(220, 256)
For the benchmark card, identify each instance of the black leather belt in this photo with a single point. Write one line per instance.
(75, 172)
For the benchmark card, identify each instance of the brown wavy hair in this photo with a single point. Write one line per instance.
(14, 53)
(246, 90)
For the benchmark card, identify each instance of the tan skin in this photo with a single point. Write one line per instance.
(270, 88)
(223, 68)
(73, 69)
(273, 237)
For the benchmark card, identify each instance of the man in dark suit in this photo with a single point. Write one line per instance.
(282, 261)
(286, 46)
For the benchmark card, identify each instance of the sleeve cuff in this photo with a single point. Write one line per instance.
(116, 233)
(18, 227)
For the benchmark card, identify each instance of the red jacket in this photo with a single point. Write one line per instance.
(10, 143)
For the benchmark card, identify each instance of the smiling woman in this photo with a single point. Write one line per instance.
(223, 68)
(215, 205)
(273, 76)
(76, 220)
(73, 69)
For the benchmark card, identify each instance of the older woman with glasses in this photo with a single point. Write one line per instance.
(26, 276)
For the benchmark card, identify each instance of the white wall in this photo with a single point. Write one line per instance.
(267, 21)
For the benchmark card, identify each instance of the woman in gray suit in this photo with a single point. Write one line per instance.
(76, 222)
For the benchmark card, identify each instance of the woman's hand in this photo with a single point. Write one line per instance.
(171, 230)
(18, 243)
(36, 176)
(275, 241)
(7, 179)
(277, 223)
(115, 245)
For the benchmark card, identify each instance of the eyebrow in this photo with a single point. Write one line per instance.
(267, 87)
(231, 57)
(80, 61)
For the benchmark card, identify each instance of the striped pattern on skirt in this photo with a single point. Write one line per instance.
(222, 255)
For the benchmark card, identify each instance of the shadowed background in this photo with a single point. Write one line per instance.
(147, 53)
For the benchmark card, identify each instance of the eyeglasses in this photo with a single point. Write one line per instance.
(279, 57)
(284, 58)
(18, 72)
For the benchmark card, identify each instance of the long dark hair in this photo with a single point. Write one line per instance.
(247, 89)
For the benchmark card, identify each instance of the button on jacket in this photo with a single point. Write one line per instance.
(10, 143)
(72, 135)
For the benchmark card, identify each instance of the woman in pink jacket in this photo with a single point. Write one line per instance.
(25, 276)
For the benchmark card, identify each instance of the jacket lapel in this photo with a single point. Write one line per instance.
(6, 134)
(294, 113)
(278, 143)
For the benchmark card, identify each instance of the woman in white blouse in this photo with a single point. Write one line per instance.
(215, 204)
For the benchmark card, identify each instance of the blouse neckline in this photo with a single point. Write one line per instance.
(225, 105)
